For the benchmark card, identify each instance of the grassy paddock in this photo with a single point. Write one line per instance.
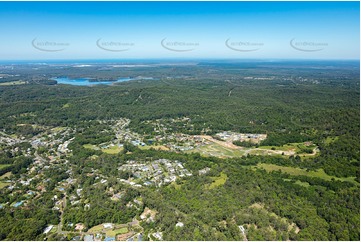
(113, 150)
(113, 232)
(217, 150)
(294, 171)
(96, 229)
(4, 165)
(156, 147)
(4, 184)
(90, 146)
(218, 181)
(6, 175)
(12, 83)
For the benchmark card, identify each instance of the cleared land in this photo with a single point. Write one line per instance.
(296, 147)
(223, 150)
(156, 147)
(112, 233)
(4, 184)
(320, 173)
(90, 146)
(176, 186)
(58, 129)
(110, 150)
(217, 150)
(113, 150)
(118, 229)
(96, 229)
(12, 83)
(6, 175)
(218, 181)
(4, 165)
(304, 184)
(330, 140)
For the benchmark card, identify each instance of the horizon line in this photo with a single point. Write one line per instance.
(181, 59)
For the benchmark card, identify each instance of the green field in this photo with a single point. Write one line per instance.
(4, 165)
(12, 83)
(330, 140)
(110, 150)
(264, 152)
(176, 186)
(217, 150)
(289, 147)
(58, 129)
(109, 232)
(113, 150)
(294, 171)
(90, 146)
(96, 229)
(112, 233)
(304, 184)
(218, 181)
(156, 147)
(6, 175)
(4, 184)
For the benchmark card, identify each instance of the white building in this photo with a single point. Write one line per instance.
(108, 225)
(179, 224)
(47, 229)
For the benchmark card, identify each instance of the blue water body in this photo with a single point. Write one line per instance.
(18, 204)
(109, 239)
(87, 82)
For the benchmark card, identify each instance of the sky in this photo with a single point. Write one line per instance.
(141, 30)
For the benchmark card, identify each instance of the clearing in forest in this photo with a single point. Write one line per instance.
(295, 171)
(218, 181)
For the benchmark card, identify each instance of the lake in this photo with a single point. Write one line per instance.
(88, 82)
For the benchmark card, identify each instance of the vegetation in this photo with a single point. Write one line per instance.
(218, 181)
(244, 143)
(302, 172)
(59, 153)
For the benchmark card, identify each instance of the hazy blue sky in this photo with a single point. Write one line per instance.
(286, 30)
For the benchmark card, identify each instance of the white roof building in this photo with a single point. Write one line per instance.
(108, 225)
(179, 224)
(47, 229)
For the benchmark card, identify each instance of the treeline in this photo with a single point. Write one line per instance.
(244, 143)
(16, 165)
(27, 223)
(279, 139)
(94, 132)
